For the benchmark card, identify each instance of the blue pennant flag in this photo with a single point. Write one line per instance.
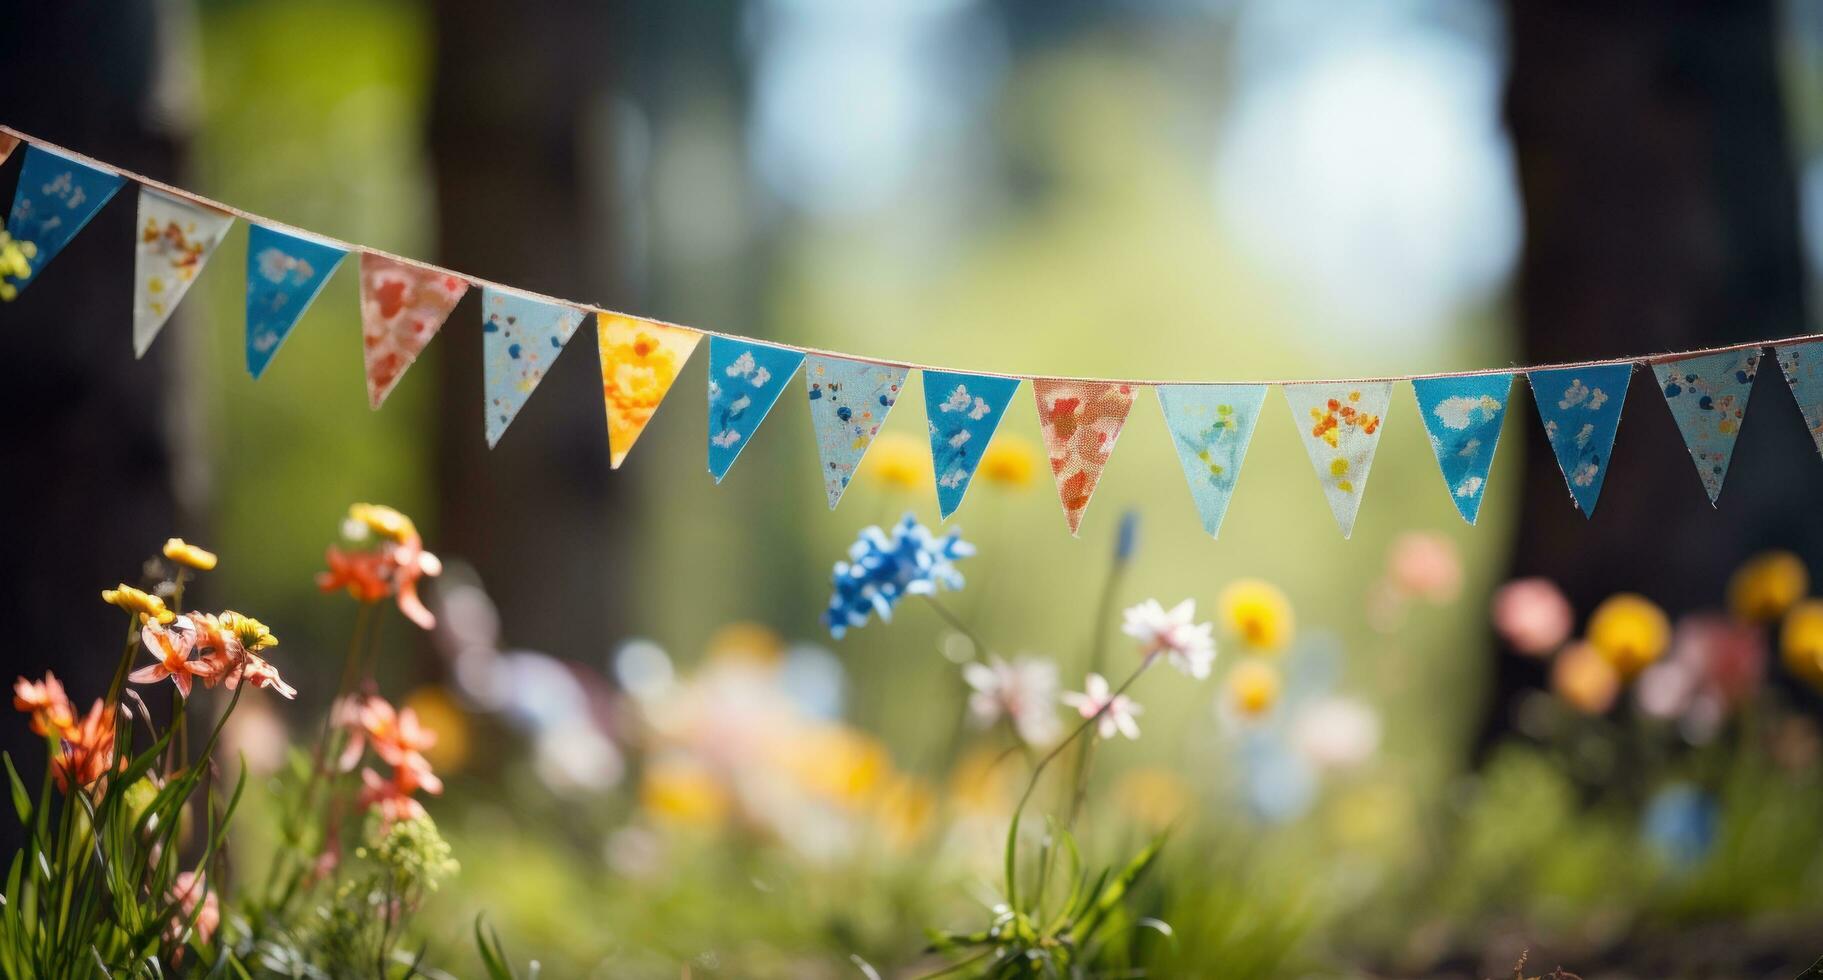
(1211, 426)
(745, 379)
(56, 196)
(520, 338)
(1802, 365)
(285, 272)
(848, 402)
(1707, 395)
(1580, 407)
(963, 410)
(1463, 417)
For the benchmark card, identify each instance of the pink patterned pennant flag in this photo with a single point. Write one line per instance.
(402, 307)
(1081, 420)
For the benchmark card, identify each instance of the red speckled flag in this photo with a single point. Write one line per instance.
(1080, 420)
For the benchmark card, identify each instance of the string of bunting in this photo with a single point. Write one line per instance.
(405, 302)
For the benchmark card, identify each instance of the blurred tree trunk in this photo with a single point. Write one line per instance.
(522, 198)
(1661, 214)
(88, 454)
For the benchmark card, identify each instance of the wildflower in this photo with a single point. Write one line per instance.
(1424, 565)
(1009, 461)
(898, 462)
(189, 555)
(394, 799)
(85, 751)
(1189, 645)
(1680, 823)
(1630, 631)
(139, 603)
(45, 701)
(251, 633)
(1253, 688)
(681, 791)
(1801, 642)
(1258, 613)
(392, 569)
(261, 674)
(1157, 798)
(1767, 585)
(384, 521)
(1116, 711)
(881, 570)
(1532, 616)
(415, 852)
(197, 908)
(442, 716)
(1336, 733)
(1585, 678)
(397, 736)
(172, 645)
(905, 810)
(362, 574)
(1024, 691)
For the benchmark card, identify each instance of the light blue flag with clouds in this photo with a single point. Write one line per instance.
(1463, 418)
(56, 196)
(285, 272)
(963, 410)
(848, 402)
(520, 338)
(1707, 395)
(745, 380)
(1211, 426)
(1580, 407)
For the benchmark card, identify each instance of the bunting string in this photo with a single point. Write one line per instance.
(348, 246)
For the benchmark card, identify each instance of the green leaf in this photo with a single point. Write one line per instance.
(22, 800)
(493, 955)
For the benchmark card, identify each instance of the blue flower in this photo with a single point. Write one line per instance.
(1680, 824)
(881, 570)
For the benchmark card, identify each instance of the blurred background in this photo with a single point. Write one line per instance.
(1211, 189)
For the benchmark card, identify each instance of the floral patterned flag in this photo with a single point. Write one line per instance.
(745, 379)
(1341, 426)
(285, 272)
(520, 338)
(1580, 407)
(56, 196)
(962, 411)
(402, 307)
(176, 238)
(1211, 426)
(1708, 398)
(1802, 365)
(639, 361)
(7, 145)
(1463, 418)
(848, 402)
(1080, 421)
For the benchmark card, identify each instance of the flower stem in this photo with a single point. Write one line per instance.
(955, 622)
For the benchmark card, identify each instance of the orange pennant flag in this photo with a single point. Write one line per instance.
(1080, 420)
(639, 361)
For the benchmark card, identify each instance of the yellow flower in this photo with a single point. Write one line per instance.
(1253, 687)
(140, 603)
(1258, 613)
(439, 712)
(1630, 631)
(1801, 642)
(898, 462)
(836, 762)
(1585, 678)
(682, 792)
(1154, 797)
(745, 641)
(253, 634)
(1766, 585)
(1010, 461)
(384, 521)
(906, 809)
(982, 783)
(184, 553)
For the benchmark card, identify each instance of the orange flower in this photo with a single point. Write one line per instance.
(257, 672)
(49, 706)
(397, 735)
(393, 568)
(362, 573)
(87, 750)
(172, 645)
(393, 799)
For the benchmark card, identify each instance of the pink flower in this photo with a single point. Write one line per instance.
(1116, 711)
(172, 646)
(1532, 616)
(1189, 645)
(1025, 691)
(1424, 565)
(194, 898)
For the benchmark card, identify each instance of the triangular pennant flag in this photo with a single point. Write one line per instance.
(1463, 416)
(745, 379)
(402, 308)
(962, 411)
(1211, 426)
(56, 196)
(285, 272)
(176, 238)
(848, 402)
(1341, 425)
(7, 145)
(520, 337)
(639, 361)
(1802, 365)
(1580, 407)
(1080, 421)
(1708, 398)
